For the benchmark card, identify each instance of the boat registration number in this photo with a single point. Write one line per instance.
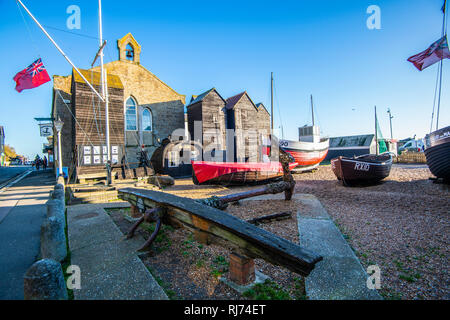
(361, 166)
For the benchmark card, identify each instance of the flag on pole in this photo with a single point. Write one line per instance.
(443, 6)
(436, 52)
(31, 77)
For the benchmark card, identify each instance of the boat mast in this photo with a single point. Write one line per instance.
(312, 110)
(444, 33)
(103, 76)
(376, 131)
(271, 101)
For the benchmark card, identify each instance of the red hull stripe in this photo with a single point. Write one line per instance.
(308, 158)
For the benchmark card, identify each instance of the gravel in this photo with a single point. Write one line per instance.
(401, 225)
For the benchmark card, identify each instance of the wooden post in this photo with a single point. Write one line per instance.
(134, 212)
(242, 269)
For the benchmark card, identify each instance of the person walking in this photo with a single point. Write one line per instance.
(44, 163)
(37, 161)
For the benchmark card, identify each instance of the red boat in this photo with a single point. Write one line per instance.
(236, 172)
(310, 150)
(308, 155)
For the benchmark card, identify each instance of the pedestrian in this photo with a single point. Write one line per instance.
(37, 161)
(44, 163)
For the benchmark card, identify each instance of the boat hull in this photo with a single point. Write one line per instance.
(437, 152)
(308, 155)
(204, 172)
(366, 169)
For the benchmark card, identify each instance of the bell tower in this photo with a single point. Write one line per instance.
(129, 49)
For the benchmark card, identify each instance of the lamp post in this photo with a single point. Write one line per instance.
(58, 126)
(390, 121)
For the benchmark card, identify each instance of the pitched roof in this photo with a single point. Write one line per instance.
(94, 78)
(202, 96)
(232, 101)
(261, 105)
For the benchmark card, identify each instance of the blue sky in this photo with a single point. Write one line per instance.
(322, 48)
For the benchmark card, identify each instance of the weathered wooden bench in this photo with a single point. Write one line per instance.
(213, 225)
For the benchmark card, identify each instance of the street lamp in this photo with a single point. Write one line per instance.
(58, 126)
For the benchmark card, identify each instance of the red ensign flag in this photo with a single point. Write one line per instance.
(31, 77)
(436, 52)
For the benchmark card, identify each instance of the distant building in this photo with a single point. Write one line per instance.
(353, 146)
(206, 121)
(2, 146)
(251, 124)
(210, 117)
(349, 146)
(143, 111)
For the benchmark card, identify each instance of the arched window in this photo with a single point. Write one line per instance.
(147, 120)
(131, 115)
(129, 52)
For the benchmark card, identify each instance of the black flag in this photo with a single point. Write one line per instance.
(443, 7)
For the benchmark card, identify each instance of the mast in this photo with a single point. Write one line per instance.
(103, 81)
(312, 110)
(376, 131)
(444, 33)
(271, 101)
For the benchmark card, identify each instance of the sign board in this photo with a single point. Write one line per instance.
(46, 129)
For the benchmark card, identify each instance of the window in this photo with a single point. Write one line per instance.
(129, 52)
(130, 115)
(147, 120)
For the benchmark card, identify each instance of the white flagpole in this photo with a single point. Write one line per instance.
(60, 50)
(104, 80)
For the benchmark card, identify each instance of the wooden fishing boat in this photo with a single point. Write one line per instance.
(437, 152)
(365, 169)
(307, 155)
(310, 149)
(238, 173)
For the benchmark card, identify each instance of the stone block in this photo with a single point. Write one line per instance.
(53, 240)
(44, 280)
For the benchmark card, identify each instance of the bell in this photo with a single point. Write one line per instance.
(129, 54)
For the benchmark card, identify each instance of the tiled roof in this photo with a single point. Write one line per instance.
(231, 102)
(94, 78)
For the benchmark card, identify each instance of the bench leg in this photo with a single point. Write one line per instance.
(242, 269)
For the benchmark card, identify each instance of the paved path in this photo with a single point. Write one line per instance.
(22, 211)
(110, 268)
(7, 173)
(340, 275)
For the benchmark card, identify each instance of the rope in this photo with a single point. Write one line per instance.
(29, 30)
(84, 132)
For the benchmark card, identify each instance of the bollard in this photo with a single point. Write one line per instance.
(55, 208)
(53, 240)
(61, 180)
(44, 280)
(59, 194)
